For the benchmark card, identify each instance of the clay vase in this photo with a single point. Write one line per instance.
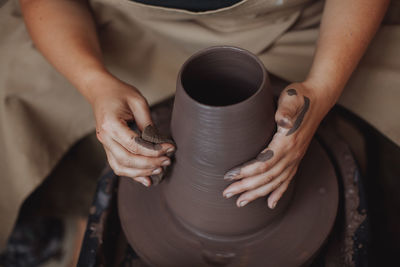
(223, 116)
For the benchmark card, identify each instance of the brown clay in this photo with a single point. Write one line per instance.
(223, 116)
(153, 138)
(300, 117)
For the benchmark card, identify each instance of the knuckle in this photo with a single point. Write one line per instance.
(268, 178)
(99, 135)
(139, 101)
(158, 153)
(295, 139)
(150, 151)
(243, 184)
(275, 186)
(117, 170)
(151, 163)
(142, 101)
(124, 161)
(133, 147)
(147, 172)
(135, 174)
(293, 174)
(112, 163)
(262, 167)
(105, 126)
(289, 146)
(258, 194)
(298, 154)
(298, 104)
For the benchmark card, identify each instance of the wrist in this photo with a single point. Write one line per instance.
(323, 95)
(93, 83)
(319, 104)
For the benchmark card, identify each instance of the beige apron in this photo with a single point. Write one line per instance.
(42, 115)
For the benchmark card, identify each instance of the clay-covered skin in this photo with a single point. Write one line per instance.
(147, 144)
(151, 138)
(291, 91)
(300, 117)
(270, 178)
(223, 116)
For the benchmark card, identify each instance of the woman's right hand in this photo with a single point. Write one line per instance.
(115, 103)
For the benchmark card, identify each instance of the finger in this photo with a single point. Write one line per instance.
(250, 183)
(114, 165)
(130, 172)
(289, 106)
(135, 173)
(278, 193)
(146, 181)
(126, 159)
(262, 191)
(122, 134)
(264, 161)
(141, 112)
(260, 164)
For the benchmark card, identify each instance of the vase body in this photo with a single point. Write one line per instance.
(223, 116)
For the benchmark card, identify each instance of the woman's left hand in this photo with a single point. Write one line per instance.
(297, 118)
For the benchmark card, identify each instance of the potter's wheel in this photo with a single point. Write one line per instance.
(290, 241)
(222, 117)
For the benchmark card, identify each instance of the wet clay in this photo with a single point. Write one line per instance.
(140, 141)
(151, 134)
(300, 118)
(152, 138)
(291, 91)
(223, 115)
(264, 156)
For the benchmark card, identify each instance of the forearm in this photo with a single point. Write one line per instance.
(65, 33)
(347, 28)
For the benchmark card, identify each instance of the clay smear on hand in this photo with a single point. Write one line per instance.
(147, 144)
(262, 157)
(152, 139)
(301, 116)
(291, 91)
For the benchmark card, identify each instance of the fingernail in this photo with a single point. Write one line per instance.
(166, 162)
(273, 205)
(232, 174)
(171, 149)
(228, 195)
(157, 171)
(243, 203)
(144, 181)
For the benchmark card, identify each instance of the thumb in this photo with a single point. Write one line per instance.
(289, 106)
(141, 113)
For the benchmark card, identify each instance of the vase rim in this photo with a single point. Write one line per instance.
(264, 80)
